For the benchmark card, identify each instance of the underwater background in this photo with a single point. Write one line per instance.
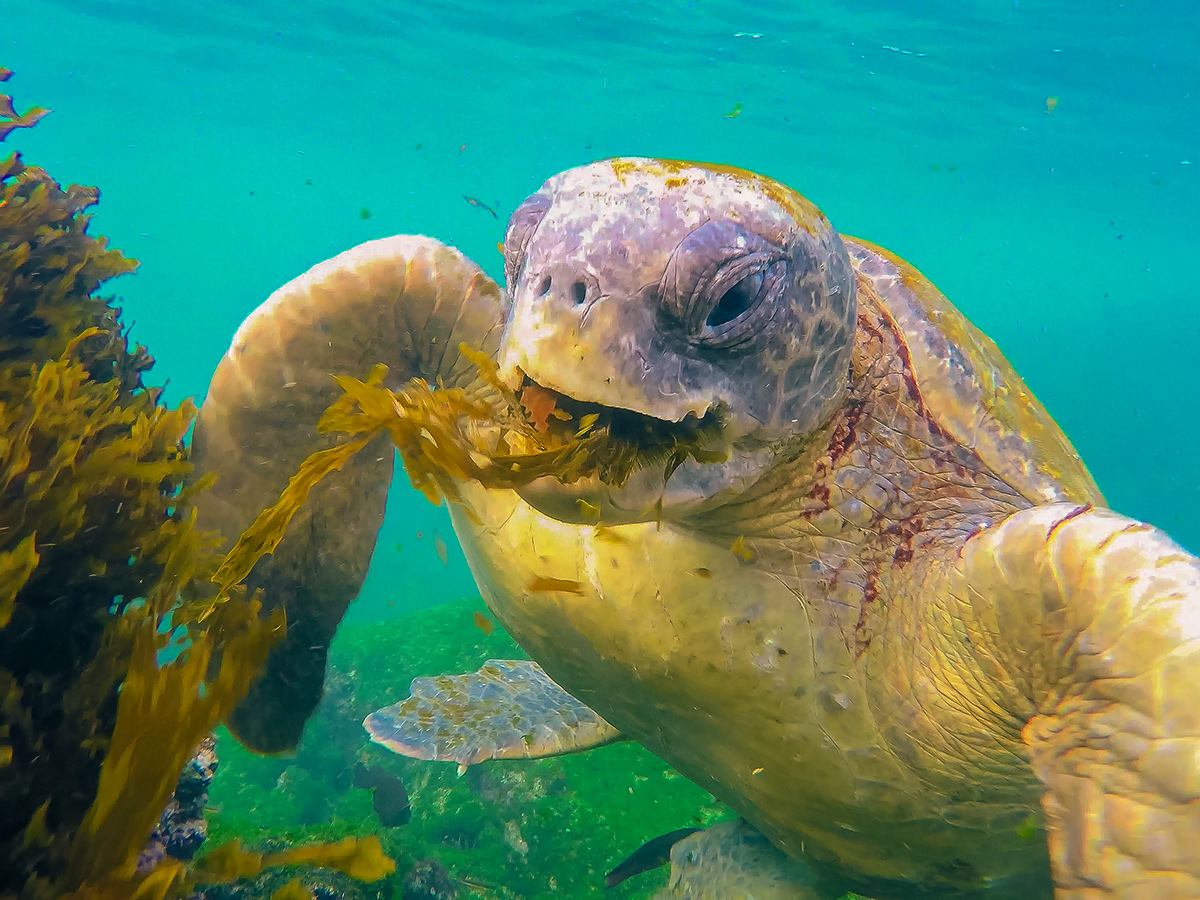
(1039, 161)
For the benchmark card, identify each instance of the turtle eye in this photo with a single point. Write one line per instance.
(740, 299)
(719, 283)
(521, 227)
(736, 300)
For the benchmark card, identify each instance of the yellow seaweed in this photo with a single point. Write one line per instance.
(445, 435)
(99, 554)
(362, 858)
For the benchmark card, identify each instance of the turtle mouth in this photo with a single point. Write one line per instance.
(637, 466)
(562, 416)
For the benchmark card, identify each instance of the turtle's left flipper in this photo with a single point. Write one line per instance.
(509, 709)
(734, 860)
(404, 301)
(1115, 732)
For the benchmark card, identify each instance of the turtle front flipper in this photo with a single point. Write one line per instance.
(404, 301)
(1114, 734)
(509, 709)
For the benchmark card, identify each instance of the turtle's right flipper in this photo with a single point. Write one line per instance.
(509, 709)
(405, 301)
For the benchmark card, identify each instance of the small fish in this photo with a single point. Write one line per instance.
(483, 623)
(440, 546)
(740, 549)
(1051, 104)
(702, 572)
(462, 148)
(364, 213)
(735, 112)
(500, 247)
(481, 205)
(555, 585)
(652, 854)
(389, 798)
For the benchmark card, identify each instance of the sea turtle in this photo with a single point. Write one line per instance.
(894, 627)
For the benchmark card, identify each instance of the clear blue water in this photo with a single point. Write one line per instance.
(237, 144)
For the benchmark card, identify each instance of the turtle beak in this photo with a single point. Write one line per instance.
(592, 351)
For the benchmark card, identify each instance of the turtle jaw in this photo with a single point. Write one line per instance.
(657, 489)
(647, 496)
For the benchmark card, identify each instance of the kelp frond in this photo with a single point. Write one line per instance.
(100, 561)
(445, 435)
(362, 858)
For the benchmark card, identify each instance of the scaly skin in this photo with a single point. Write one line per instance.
(934, 635)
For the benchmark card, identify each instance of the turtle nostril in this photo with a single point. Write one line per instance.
(579, 291)
(544, 287)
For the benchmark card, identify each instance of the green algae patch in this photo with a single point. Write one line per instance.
(531, 829)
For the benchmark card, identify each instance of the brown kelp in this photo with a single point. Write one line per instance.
(505, 440)
(101, 568)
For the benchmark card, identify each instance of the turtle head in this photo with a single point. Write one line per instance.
(692, 294)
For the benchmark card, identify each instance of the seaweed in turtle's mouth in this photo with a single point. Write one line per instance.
(503, 438)
(450, 435)
(629, 439)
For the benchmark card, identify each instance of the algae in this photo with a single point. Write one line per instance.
(504, 441)
(101, 565)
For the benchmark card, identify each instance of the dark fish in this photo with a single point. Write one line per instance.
(480, 204)
(652, 854)
(390, 797)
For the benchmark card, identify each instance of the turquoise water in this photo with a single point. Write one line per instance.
(1066, 235)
